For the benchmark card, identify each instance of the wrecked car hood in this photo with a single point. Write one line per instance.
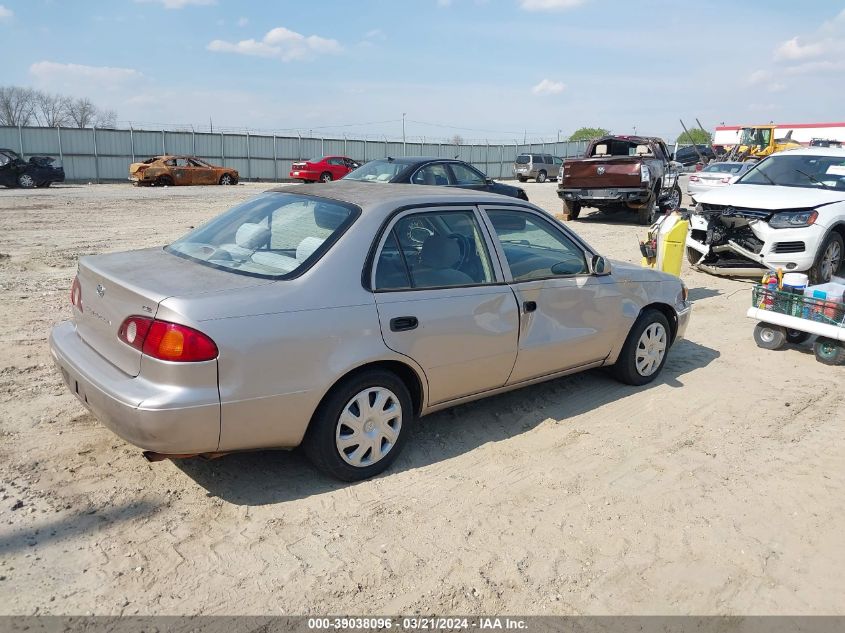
(770, 197)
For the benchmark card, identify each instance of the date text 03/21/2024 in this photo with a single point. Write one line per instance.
(417, 623)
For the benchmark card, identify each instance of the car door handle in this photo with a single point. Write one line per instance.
(403, 323)
(529, 306)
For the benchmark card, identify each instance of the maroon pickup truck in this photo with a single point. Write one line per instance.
(621, 173)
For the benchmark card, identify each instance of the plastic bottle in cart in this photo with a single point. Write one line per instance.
(771, 289)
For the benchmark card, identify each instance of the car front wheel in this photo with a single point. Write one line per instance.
(25, 181)
(361, 426)
(644, 353)
(829, 259)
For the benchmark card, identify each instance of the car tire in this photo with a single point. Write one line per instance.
(326, 177)
(769, 336)
(521, 178)
(796, 337)
(647, 214)
(693, 256)
(225, 179)
(673, 201)
(25, 181)
(829, 352)
(829, 260)
(541, 177)
(571, 210)
(164, 181)
(329, 442)
(644, 352)
(44, 185)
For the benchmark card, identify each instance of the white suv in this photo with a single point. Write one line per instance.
(786, 212)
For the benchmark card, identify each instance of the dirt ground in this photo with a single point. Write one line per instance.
(717, 489)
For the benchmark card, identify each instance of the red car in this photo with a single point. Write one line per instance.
(326, 169)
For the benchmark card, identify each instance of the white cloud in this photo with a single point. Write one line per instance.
(49, 72)
(375, 34)
(243, 21)
(809, 68)
(444, 3)
(179, 4)
(280, 43)
(759, 76)
(548, 87)
(5, 13)
(794, 50)
(549, 5)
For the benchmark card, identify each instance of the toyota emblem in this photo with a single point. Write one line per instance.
(600, 170)
(100, 290)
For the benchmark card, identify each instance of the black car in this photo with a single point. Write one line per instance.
(39, 171)
(688, 156)
(445, 172)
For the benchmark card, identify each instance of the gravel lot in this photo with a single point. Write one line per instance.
(718, 489)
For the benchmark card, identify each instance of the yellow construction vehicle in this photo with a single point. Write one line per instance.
(758, 141)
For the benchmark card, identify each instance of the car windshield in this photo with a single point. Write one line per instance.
(377, 171)
(274, 235)
(724, 168)
(798, 170)
(524, 159)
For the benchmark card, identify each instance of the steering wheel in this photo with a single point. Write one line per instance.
(465, 247)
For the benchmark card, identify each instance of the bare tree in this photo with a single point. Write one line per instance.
(17, 105)
(82, 112)
(51, 110)
(457, 140)
(106, 118)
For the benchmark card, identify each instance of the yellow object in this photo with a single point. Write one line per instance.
(759, 141)
(670, 248)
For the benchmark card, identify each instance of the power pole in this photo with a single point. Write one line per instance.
(404, 153)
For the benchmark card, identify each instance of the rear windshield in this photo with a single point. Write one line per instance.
(523, 159)
(724, 168)
(377, 171)
(275, 235)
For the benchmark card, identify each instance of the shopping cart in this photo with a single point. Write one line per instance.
(784, 317)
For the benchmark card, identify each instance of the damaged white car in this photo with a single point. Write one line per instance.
(787, 212)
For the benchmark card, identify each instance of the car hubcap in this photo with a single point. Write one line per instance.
(26, 181)
(675, 200)
(368, 427)
(767, 336)
(226, 180)
(650, 349)
(831, 260)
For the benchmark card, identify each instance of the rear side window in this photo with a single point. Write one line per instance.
(274, 235)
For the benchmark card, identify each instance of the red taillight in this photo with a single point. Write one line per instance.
(694, 178)
(167, 341)
(76, 294)
(725, 180)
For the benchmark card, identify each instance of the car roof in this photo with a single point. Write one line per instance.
(412, 160)
(371, 194)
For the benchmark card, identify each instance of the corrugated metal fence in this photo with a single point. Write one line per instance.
(101, 155)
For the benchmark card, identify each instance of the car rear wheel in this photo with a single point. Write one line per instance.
(25, 181)
(571, 210)
(541, 177)
(829, 259)
(325, 177)
(644, 352)
(226, 179)
(647, 214)
(361, 426)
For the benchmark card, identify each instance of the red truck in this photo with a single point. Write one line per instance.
(619, 173)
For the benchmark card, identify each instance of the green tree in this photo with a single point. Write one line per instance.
(695, 136)
(588, 133)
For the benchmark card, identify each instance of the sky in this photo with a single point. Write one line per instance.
(483, 69)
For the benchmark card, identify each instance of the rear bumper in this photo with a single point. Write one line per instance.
(608, 195)
(164, 418)
(304, 174)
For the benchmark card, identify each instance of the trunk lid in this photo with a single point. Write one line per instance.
(136, 169)
(119, 285)
(601, 172)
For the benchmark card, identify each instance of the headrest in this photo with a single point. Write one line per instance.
(252, 236)
(307, 247)
(439, 252)
(601, 150)
(643, 150)
(329, 216)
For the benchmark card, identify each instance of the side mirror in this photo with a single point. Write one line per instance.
(600, 266)
(489, 181)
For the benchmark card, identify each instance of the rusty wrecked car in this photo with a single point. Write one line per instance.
(180, 170)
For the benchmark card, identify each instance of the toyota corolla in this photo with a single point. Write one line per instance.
(333, 316)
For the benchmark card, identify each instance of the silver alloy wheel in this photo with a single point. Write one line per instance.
(675, 198)
(368, 427)
(226, 179)
(651, 348)
(831, 260)
(26, 181)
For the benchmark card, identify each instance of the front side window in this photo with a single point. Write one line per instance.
(335, 161)
(383, 170)
(466, 175)
(433, 250)
(273, 235)
(534, 248)
(432, 174)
